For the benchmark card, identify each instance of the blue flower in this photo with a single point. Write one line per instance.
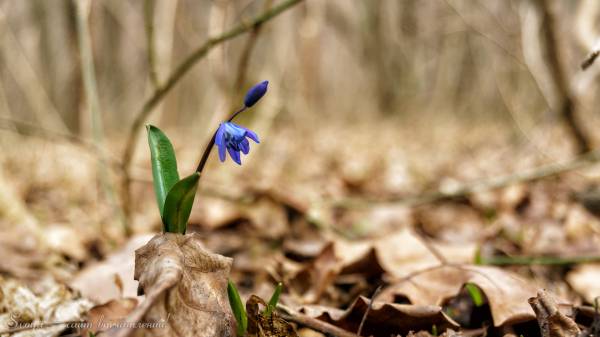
(255, 93)
(232, 137)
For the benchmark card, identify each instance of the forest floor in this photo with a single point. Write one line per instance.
(339, 215)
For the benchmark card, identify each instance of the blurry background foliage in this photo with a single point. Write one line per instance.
(349, 60)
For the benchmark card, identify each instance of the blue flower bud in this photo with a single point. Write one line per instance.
(255, 93)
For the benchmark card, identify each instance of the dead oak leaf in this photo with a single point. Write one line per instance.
(104, 316)
(397, 255)
(185, 287)
(506, 292)
(384, 319)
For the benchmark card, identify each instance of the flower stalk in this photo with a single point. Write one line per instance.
(211, 143)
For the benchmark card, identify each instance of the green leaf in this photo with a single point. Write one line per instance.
(237, 307)
(475, 294)
(178, 204)
(164, 164)
(274, 299)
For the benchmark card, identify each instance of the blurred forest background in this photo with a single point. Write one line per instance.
(370, 104)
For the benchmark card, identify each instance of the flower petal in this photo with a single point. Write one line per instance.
(222, 152)
(220, 141)
(252, 135)
(235, 155)
(235, 131)
(245, 146)
(220, 135)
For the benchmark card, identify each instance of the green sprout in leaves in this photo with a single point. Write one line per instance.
(238, 308)
(475, 294)
(274, 299)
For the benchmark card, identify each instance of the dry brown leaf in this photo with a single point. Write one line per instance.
(97, 281)
(66, 240)
(584, 279)
(397, 255)
(20, 307)
(303, 249)
(313, 280)
(20, 257)
(403, 253)
(213, 213)
(451, 222)
(507, 293)
(260, 325)
(103, 317)
(185, 288)
(552, 322)
(384, 319)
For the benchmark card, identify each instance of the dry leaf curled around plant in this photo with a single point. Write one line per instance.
(185, 287)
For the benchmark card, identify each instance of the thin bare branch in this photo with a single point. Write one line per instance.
(364, 318)
(313, 323)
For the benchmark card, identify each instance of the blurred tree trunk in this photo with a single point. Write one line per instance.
(58, 58)
(562, 99)
(375, 49)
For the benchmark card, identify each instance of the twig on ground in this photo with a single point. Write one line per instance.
(174, 78)
(313, 323)
(364, 318)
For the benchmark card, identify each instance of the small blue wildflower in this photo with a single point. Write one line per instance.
(232, 137)
(255, 93)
